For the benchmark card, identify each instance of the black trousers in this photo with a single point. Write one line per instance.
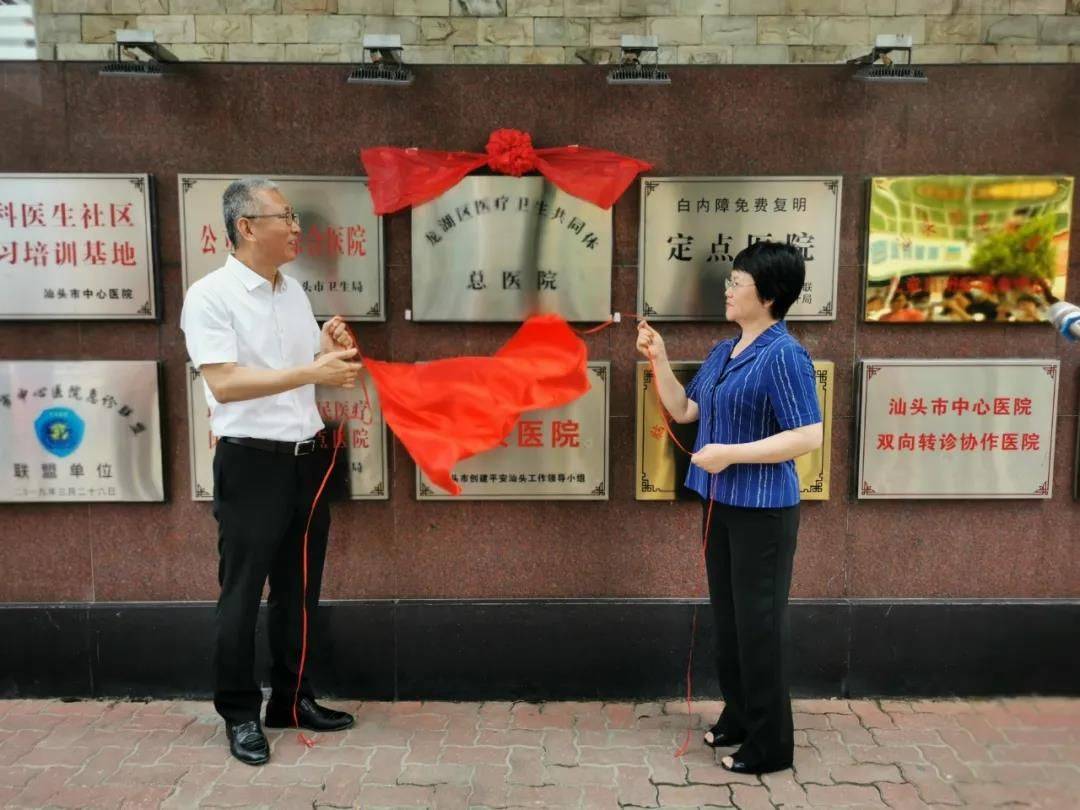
(261, 502)
(749, 558)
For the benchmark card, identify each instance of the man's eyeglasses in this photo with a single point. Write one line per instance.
(730, 285)
(290, 217)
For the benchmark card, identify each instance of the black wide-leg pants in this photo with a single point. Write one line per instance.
(749, 557)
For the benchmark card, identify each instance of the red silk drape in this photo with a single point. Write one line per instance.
(448, 410)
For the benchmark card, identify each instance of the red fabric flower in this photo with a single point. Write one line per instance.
(510, 151)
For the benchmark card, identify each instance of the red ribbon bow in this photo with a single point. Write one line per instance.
(399, 178)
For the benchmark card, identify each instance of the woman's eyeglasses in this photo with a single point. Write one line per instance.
(730, 285)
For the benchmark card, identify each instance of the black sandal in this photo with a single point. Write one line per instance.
(722, 738)
(748, 767)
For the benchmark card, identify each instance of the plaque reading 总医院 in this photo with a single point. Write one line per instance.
(77, 247)
(80, 431)
(504, 248)
(552, 454)
(340, 264)
(957, 428)
(661, 466)
(363, 454)
(693, 227)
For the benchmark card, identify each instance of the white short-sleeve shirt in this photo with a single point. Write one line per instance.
(234, 315)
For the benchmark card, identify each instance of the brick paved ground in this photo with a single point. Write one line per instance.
(859, 753)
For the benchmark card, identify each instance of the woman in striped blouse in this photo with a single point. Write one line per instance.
(755, 401)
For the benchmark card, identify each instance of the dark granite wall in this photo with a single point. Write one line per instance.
(291, 119)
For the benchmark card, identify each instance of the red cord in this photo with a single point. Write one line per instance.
(704, 544)
(693, 631)
(339, 441)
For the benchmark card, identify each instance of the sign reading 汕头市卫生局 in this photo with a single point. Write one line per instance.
(340, 264)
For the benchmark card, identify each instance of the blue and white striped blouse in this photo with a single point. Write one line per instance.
(769, 388)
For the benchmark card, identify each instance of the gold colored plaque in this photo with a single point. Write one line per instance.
(660, 467)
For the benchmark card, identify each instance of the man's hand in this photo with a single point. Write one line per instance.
(335, 336)
(334, 369)
(713, 458)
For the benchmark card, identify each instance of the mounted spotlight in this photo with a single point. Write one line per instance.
(148, 58)
(887, 71)
(639, 62)
(383, 63)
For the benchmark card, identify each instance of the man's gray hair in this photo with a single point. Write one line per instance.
(239, 200)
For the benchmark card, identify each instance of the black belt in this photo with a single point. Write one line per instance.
(304, 448)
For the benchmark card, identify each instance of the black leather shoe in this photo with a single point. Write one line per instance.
(746, 766)
(247, 743)
(719, 737)
(312, 716)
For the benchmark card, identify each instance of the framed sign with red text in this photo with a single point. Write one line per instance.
(957, 428)
(555, 454)
(362, 461)
(340, 265)
(77, 247)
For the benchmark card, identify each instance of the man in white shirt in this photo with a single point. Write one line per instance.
(251, 333)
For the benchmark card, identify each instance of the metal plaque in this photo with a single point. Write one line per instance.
(340, 265)
(966, 249)
(504, 248)
(957, 428)
(660, 467)
(80, 431)
(693, 227)
(554, 454)
(1076, 465)
(77, 247)
(364, 453)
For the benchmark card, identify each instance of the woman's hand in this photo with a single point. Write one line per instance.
(714, 458)
(649, 342)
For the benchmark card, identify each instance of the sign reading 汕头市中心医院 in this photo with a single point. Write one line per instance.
(957, 428)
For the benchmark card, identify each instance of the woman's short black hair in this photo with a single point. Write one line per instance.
(778, 271)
